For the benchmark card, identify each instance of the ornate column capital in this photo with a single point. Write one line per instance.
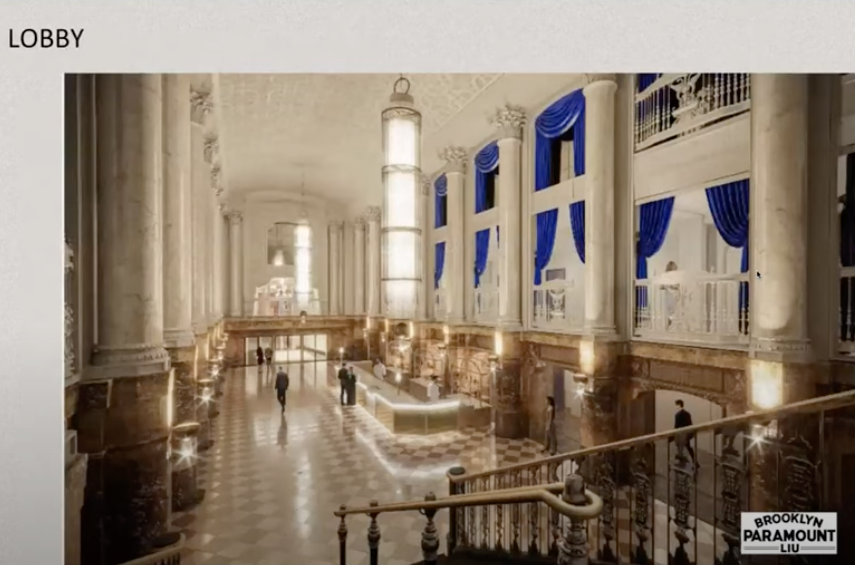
(233, 216)
(509, 120)
(359, 223)
(201, 105)
(373, 214)
(336, 225)
(216, 179)
(597, 81)
(455, 159)
(212, 148)
(425, 185)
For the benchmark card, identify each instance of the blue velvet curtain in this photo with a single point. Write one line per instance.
(486, 162)
(440, 190)
(847, 249)
(729, 208)
(545, 226)
(568, 112)
(577, 225)
(652, 229)
(482, 248)
(646, 79)
(438, 263)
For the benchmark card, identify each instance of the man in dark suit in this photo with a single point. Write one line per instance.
(343, 378)
(282, 383)
(683, 419)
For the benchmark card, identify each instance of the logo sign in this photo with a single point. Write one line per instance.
(789, 533)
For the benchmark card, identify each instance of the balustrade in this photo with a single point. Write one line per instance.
(678, 495)
(558, 305)
(486, 304)
(693, 307)
(678, 104)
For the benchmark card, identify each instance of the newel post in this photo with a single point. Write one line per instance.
(573, 547)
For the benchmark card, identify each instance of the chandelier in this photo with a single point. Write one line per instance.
(402, 235)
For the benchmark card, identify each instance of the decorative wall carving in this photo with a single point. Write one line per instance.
(455, 158)
(373, 214)
(201, 106)
(718, 385)
(212, 149)
(510, 120)
(69, 315)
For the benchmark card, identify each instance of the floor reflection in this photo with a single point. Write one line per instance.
(273, 480)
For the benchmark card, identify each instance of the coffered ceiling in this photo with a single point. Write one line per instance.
(277, 129)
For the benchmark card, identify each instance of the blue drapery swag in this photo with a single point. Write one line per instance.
(440, 191)
(577, 226)
(655, 217)
(438, 263)
(486, 163)
(847, 217)
(728, 205)
(482, 248)
(546, 224)
(646, 79)
(555, 121)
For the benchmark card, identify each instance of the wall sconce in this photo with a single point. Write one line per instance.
(206, 391)
(446, 334)
(581, 382)
(494, 363)
(412, 330)
(184, 445)
(367, 323)
(498, 344)
(586, 357)
(386, 325)
(767, 384)
(382, 337)
(763, 432)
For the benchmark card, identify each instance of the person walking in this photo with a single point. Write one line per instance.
(281, 386)
(433, 389)
(683, 419)
(268, 357)
(379, 369)
(551, 442)
(343, 378)
(259, 355)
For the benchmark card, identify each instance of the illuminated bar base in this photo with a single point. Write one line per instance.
(403, 413)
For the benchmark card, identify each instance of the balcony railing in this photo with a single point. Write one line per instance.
(846, 333)
(568, 504)
(678, 104)
(676, 496)
(486, 304)
(694, 307)
(285, 306)
(558, 306)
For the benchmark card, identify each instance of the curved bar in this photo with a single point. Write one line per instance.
(544, 493)
(813, 405)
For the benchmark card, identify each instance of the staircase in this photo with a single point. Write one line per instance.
(647, 500)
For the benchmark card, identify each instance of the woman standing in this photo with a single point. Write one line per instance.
(551, 443)
(259, 355)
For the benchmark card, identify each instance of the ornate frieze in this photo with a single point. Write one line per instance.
(212, 149)
(216, 179)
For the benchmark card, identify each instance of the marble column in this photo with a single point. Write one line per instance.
(510, 121)
(424, 271)
(122, 423)
(235, 219)
(373, 216)
(455, 253)
(177, 271)
(599, 204)
(335, 270)
(359, 266)
(200, 176)
(779, 154)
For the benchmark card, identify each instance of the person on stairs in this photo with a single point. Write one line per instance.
(343, 378)
(282, 383)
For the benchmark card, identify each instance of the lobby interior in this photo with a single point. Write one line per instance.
(610, 243)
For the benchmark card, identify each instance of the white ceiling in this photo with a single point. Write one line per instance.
(277, 128)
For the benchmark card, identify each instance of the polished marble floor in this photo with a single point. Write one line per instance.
(273, 481)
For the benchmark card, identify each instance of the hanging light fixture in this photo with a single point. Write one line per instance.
(402, 234)
(303, 255)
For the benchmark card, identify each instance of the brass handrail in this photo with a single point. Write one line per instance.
(828, 402)
(516, 495)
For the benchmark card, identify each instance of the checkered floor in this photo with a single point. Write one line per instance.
(272, 483)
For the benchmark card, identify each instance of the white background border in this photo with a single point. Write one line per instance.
(299, 36)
